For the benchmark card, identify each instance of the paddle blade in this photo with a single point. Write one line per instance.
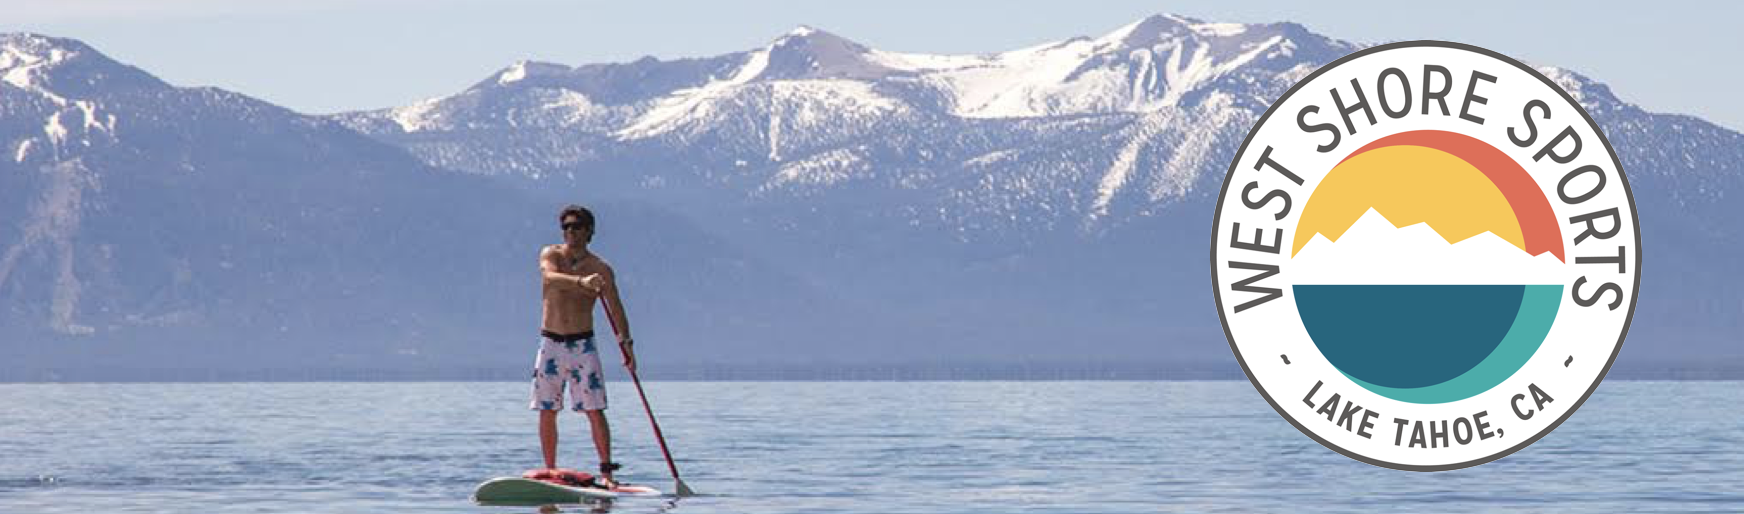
(684, 490)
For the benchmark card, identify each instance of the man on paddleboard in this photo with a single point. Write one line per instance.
(573, 278)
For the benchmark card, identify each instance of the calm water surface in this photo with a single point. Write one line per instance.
(848, 447)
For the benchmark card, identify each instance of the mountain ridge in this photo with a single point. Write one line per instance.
(764, 222)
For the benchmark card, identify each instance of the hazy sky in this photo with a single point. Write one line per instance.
(321, 56)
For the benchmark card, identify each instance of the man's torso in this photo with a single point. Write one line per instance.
(567, 310)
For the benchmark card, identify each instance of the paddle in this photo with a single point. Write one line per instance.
(682, 490)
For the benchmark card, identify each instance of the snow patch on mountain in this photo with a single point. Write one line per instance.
(823, 169)
(513, 74)
(574, 107)
(1218, 121)
(918, 62)
(693, 103)
(57, 133)
(50, 226)
(524, 69)
(424, 115)
(1584, 90)
(1219, 29)
(1014, 84)
(806, 68)
(1141, 67)
(1126, 161)
(991, 158)
(808, 103)
(26, 59)
(105, 123)
(1202, 68)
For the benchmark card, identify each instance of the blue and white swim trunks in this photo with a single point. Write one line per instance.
(572, 360)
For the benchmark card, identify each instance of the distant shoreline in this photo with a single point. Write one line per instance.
(1720, 370)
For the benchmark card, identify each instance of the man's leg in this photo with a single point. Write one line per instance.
(591, 398)
(602, 440)
(548, 437)
(548, 400)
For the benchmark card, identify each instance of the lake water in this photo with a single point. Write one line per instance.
(841, 447)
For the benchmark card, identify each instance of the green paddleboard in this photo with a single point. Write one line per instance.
(524, 491)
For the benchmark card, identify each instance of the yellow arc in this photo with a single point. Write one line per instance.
(1409, 185)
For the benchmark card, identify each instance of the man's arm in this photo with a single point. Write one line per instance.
(549, 268)
(614, 305)
(615, 311)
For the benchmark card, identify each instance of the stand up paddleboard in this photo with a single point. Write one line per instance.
(540, 487)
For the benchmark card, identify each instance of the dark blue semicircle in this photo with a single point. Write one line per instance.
(1407, 336)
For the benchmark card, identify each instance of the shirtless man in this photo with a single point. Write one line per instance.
(573, 278)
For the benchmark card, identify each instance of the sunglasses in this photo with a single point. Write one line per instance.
(573, 226)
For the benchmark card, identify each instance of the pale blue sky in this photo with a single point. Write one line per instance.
(322, 56)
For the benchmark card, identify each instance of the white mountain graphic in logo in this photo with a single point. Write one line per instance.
(1373, 252)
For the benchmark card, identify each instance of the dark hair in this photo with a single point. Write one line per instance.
(578, 211)
(584, 216)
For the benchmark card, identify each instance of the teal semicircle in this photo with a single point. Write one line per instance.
(1538, 307)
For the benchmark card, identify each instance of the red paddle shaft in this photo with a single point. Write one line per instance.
(658, 436)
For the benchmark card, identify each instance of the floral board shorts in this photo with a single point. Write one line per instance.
(575, 364)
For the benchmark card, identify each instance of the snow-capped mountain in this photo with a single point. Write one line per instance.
(1057, 134)
(811, 200)
(1115, 142)
(144, 225)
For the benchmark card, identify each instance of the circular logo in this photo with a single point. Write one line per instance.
(1425, 255)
